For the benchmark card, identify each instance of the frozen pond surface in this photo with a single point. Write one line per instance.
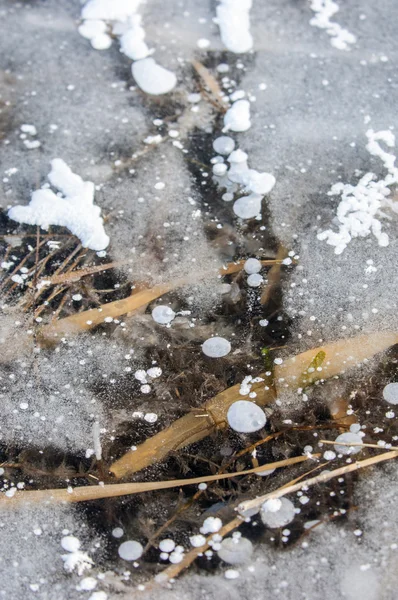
(309, 102)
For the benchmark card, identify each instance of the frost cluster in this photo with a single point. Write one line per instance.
(324, 11)
(239, 177)
(233, 17)
(361, 206)
(74, 208)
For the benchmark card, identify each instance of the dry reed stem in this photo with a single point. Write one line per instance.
(74, 276)
(340, 356)
(376, 446)
(88, 319)
(321, 478)
(212, 84)
(85, 493)
(190, 428)
(274, 276)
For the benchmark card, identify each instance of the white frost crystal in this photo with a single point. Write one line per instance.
(216, 347)
(235, 550)
(234, 23)
(75, 209)
(348, 438)
(152, 78)
(130, 550)
(248, 207)
(390, 393)
(359, 210)
(277, 512)
(324, 10)
(245, 417)
(237, 118)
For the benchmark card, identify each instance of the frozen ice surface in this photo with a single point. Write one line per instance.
(30, 551)
(246, 417)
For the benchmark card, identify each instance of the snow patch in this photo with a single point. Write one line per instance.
(75, 209)
(233, 18)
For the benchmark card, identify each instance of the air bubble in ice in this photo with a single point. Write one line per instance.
(245, 417)
(216, 347)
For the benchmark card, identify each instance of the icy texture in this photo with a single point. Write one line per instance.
(252, 265)
(30, 548)
(75, 209)
(234, 23)
(246, 417)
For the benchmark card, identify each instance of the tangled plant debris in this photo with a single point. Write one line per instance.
(198, 394)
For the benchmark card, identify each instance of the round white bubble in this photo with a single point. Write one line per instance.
(223, 145)
(252, 265)
(130, 550)
(277, 512)
(248, 207)
(219, 169)
(255, 280)
(70, 543)
(245, 417)
(348, 438)
(390, 393)
(216, 347)
(117, 532)
(163, 314)
(167, 545)
(235, 550)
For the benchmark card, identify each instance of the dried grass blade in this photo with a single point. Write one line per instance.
(85, 493)
(321, 478)
(185, 431)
